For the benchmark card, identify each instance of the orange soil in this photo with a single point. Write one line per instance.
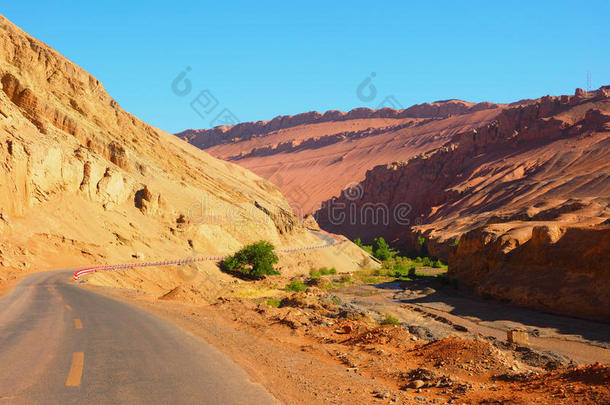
(307, 355)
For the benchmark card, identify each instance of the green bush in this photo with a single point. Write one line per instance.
(322, 271)
(399, 270)
(437, 264)
(253, 261)
(389, 320)
(296, 286)
(381, 249)
(427, 262)
(273, 302)
(346, 278)
(313, 273)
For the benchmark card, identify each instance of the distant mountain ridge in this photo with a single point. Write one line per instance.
(205, 138)
(292, 151)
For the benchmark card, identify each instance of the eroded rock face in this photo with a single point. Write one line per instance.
(75, 167)
(311, 156)
(529, 159)
(560, 269)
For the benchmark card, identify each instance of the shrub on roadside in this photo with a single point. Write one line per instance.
(296, 286)
(253, 261)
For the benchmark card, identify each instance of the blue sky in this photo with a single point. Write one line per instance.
(263, 59)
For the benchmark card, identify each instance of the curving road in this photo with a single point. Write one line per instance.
(63, 344)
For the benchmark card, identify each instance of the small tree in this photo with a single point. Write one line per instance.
(423, 247)
(381, 249)
(253, 261)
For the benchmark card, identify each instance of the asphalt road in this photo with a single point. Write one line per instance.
(63, 344)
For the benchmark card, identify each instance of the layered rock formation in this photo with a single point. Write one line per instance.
(82, 181)
(529, 159)
(311, 156)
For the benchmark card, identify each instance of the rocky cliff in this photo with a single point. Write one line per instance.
(82, 181)
(554, 268)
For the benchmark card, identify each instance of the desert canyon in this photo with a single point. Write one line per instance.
(524, 187)
(494, 289)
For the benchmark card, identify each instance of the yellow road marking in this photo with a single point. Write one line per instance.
(68, 307)
(77, 323)
(76, 369)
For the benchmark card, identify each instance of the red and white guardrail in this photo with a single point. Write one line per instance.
(88, 270)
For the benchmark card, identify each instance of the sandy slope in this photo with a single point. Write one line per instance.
(84, 182)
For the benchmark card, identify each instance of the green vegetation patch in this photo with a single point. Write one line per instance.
(296, 286)
(254, 261)
(389, 320)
